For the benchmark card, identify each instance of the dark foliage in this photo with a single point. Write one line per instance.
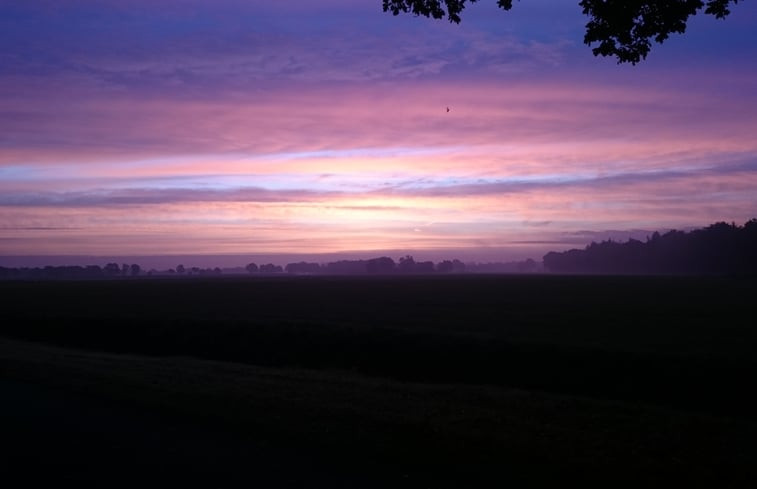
(437, 9)
(624, 29)
(448, 266)
(303, 268)
(271, 268)
(720, 248)
(71, 272)
(346, 267)
(383, 264)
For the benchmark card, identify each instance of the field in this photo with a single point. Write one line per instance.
(452, 381)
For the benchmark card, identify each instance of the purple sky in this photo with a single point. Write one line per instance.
(187, 127)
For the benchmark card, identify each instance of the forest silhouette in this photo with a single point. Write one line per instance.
(720, 248)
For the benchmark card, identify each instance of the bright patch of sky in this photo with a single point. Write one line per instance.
(305, 126)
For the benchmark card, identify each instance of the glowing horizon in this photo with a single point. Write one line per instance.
(253, 143)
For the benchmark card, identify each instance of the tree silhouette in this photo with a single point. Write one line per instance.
(382, 264)
(406, 264)
(719, 248)
(303, 268)
(112, 269)
(620, 28)
(270, 268)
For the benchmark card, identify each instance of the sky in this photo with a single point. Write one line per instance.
(320, 128)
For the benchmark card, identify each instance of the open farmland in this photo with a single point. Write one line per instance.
(408, 381)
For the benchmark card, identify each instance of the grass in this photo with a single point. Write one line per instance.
(437, 381)
(396, 432)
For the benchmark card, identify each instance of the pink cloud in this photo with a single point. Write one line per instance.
(359, 168)
(520, 118)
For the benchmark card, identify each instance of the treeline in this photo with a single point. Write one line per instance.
(720, 248)
(405, 265)
(110, 270)
(381, 265)
(375, 266)
(72, 271)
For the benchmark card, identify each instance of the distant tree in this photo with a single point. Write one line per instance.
(383, 264)
(251, 268)
(448, 266)
(180, 269)
(217, 271)
(112, 270)
(424, 267)
(528, 266)
(303, 268)
(271, 268)
(406, 264)
(346, 267)
(135, 269)
(720, 248)
(94, 271)
(624, 29)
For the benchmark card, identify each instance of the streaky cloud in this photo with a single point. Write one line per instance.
(157, 196)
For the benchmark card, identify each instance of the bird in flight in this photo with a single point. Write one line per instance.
(447, 109)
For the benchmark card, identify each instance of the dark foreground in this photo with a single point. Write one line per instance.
(419, 382)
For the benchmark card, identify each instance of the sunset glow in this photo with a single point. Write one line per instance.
(212, 128)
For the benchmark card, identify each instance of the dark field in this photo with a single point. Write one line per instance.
(452, 381)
